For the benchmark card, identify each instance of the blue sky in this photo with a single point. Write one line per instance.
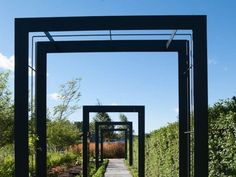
(148, 79)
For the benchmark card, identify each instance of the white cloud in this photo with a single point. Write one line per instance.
(114, 104)
(7, 63)
(54, 96)
(212, 61)
(176, 110)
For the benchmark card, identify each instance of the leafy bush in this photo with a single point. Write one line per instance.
(60, 158)
(134, 171)
(7, 162)
(161, 146)
(161, 152)
(102, 169)
(62, 133)
(7, 166)
(222, 138)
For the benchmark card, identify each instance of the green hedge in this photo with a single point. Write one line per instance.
(161, 146)
(222, 139)
(102, 169)
(7, 166)
(161, 152)
(7, 163)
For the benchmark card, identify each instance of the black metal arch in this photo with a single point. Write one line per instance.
(42, 48)
(197, 24)
(114, 129)
(141, 131)
(130, 127)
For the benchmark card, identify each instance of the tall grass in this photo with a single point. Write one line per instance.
(110, 150)
(114, 150)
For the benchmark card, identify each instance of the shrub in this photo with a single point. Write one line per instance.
(7, 166)
(102, 169)
(222, 138)
(7, 162)
(161, 152)
(134, 171)
(161, 146)
(60, 158)
(62, 133)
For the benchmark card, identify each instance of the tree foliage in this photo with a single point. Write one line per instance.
(69, 95)
(6, 111)
(123, 118)
(103, 117)
(62, 133)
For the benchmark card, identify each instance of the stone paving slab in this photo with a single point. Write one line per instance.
(117, 168)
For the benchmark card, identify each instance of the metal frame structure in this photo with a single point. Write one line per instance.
(141, 131)
(23, 26)
(42, 48)
(113, 129)
(97, 128)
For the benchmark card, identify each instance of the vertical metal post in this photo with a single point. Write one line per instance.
(21, 101)
(85, 141)
(184, 151)
(102, 146)
(41, 112)
(131, 144)
(200, 99)
(141, 149)
(97, 145)
(126, 144)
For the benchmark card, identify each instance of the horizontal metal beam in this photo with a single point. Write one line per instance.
(112, 46)
(110, 23)
(105, 108)
(114, 129)
(113, 123)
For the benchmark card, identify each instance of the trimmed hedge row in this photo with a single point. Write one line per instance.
(161, 152)
(102, 169)
(161, 146)
(222, 139)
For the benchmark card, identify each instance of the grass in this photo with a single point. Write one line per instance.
(102, 169)
(110, 150)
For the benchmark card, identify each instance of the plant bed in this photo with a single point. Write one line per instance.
(102, 169)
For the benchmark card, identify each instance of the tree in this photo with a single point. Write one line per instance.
(123, 118)
(69, 95)
(6, 111)
(79, 125)
(60, 131)
(101, 117)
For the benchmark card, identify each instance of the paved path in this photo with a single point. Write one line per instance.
(117, 168)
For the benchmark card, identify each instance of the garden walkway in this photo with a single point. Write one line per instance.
(117, 168)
